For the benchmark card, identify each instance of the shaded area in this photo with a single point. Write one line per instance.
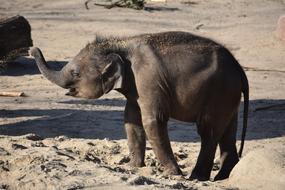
(27, 66)
(72, 123)
(102, 102)
(264, 123)
(160, 8)
(266, 119)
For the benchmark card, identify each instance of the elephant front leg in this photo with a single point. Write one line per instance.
(135, 134)
(157, 135)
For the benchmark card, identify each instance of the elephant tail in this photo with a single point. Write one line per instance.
(245, 91)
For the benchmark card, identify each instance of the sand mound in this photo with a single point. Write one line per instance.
(260, 169)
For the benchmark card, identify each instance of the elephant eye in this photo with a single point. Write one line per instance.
(75, 73)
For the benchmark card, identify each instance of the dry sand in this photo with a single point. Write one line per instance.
(81, 143)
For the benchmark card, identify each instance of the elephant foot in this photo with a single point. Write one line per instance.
(227, 165)
(172, 171)
(136, 163)
(200, 176)
(221, 176)
(224, 173)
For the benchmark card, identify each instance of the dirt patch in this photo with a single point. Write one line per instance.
(81, 143)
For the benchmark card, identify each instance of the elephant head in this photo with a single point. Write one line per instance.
(88, 75)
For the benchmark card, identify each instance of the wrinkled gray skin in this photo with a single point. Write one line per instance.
(165, 75)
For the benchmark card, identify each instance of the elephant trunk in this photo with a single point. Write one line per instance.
(57, 77)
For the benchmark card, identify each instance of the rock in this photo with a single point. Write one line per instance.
(151, 161)
(4, 186)
(141, 180)
(4, 166)
(38, 144)
(115, 149)
(44, 168)
(38, 160)
(18, 146)
(180, 156)
(33, 137)
(118, 169)
(280, 31)
(3, 152)
(53, 165)
(75, 186)
(260, 169)
(61, 138)
(123, 160)
(91, 143)
(65, 153)
(178, 186)
(75, 173)
(92, 158)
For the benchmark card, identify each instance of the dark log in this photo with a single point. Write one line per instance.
(15, 37)
(133, 4)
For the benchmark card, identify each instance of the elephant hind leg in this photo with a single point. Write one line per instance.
(203, 167)
(204, 164)
(229, 157)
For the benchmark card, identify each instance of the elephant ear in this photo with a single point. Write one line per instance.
(112, 74)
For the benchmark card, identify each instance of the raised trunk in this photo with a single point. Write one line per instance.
(57, 77)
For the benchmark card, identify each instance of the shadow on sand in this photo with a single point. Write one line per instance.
(263, 123)
(160, 8)
(27, 66)
(101, 102)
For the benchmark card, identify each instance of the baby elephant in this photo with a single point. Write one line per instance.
(164, 75)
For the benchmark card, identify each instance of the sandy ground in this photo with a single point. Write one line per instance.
(51, 141)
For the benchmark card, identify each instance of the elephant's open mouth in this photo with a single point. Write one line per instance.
(72, 92)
